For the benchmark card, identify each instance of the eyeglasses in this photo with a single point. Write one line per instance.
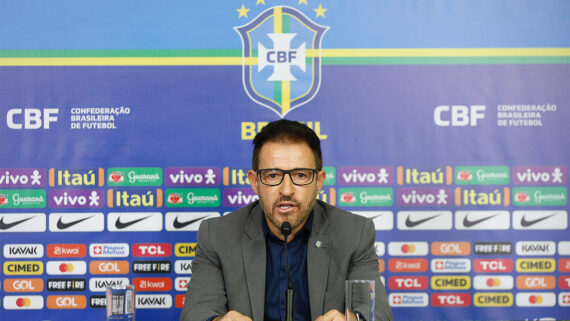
(274, 176)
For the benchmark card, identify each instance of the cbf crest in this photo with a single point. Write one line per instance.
(281, 58)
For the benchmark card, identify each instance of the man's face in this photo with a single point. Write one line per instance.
(286, 201)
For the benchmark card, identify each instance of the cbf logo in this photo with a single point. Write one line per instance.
(281, 58)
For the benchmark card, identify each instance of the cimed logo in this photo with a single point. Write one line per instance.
(281, 58)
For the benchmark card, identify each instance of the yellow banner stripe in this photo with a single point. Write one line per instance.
(325, 53)
(277, 20)
(285, 97)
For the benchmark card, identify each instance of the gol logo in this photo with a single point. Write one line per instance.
(450, 248)
(536, 282)
(109, 267)
(451, 299)
(66, 250)
(152, 249)
(152, 284)
(179, 300)
(66, 302)
(407, 265)
(23, 285)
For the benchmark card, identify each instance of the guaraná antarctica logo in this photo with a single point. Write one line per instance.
(281, 58)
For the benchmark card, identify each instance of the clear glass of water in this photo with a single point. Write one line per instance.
(121, 303)
(359, 300)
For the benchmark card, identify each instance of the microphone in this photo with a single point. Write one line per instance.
(290, 293)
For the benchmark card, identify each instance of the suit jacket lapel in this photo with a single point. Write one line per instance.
(254, 259)
(318, 257)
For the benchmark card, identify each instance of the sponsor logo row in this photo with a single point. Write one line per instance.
(54, 302)
(96, 284)
(190, 221)
(229, 176)
(487, 299)
(523, 248)
(12, 251)
(237, 197)
(479, 282)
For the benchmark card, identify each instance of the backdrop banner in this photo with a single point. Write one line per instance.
(123, 125)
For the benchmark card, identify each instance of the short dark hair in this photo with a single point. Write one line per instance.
(287, 131)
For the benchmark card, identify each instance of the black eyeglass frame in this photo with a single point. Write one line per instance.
(284, 171)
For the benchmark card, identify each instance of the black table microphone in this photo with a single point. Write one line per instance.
(290, 293)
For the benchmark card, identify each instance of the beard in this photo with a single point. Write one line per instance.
(294, 218)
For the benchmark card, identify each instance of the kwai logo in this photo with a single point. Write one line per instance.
(366, 176)
(22, 177)
(192, 176)
(482, 175)
(286, 47)
(136, 176)
(540, 175)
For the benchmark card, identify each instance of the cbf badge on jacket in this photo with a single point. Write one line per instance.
(281, 58)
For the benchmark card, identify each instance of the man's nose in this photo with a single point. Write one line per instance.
(287, 187)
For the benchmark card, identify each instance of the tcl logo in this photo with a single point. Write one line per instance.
(494, 265)
(66, 302)
(23, 285)
(450, 248)
(109, 267)
(156, 249)
(411, 282)
(451, 299)
(31, 118)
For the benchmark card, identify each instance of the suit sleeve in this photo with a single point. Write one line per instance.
(364, 266)
(206, 295)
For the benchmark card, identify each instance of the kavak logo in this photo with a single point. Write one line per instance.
(540, 220)
(23, 222)
(482, 220)
(281, 58)
(425, 220)
(538, 248)
(134, 221)
(76, 222)
(186, 221)
(100, 284)
(17, 251)
(153, 301)
(383, 220)
(183, 266)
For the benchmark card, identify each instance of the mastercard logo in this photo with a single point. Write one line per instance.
(23, 302)
(408, 248)
(66, 267)
(535, 299)
(493, 282)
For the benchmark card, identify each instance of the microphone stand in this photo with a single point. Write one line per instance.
(289, 293)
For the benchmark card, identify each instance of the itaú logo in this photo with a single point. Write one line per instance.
(66, 302)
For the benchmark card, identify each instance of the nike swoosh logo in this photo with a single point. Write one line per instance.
(63, 226)
(5, 226)
(178, 224)
(468, 223)
(526, 223)
(410, 223)
(120, 225)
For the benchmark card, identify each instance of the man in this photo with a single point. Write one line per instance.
(239, 269)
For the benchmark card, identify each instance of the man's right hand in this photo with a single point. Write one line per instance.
(232, 316)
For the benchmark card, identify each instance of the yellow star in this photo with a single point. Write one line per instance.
(242, 11)
(302, 1)
(320, 11)
(260, 1)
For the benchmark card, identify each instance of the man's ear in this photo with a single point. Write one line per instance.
(321, 176)
(253, 181)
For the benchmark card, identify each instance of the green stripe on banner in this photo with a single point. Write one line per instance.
(120, 53)
(277, 91)
(285, 23)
